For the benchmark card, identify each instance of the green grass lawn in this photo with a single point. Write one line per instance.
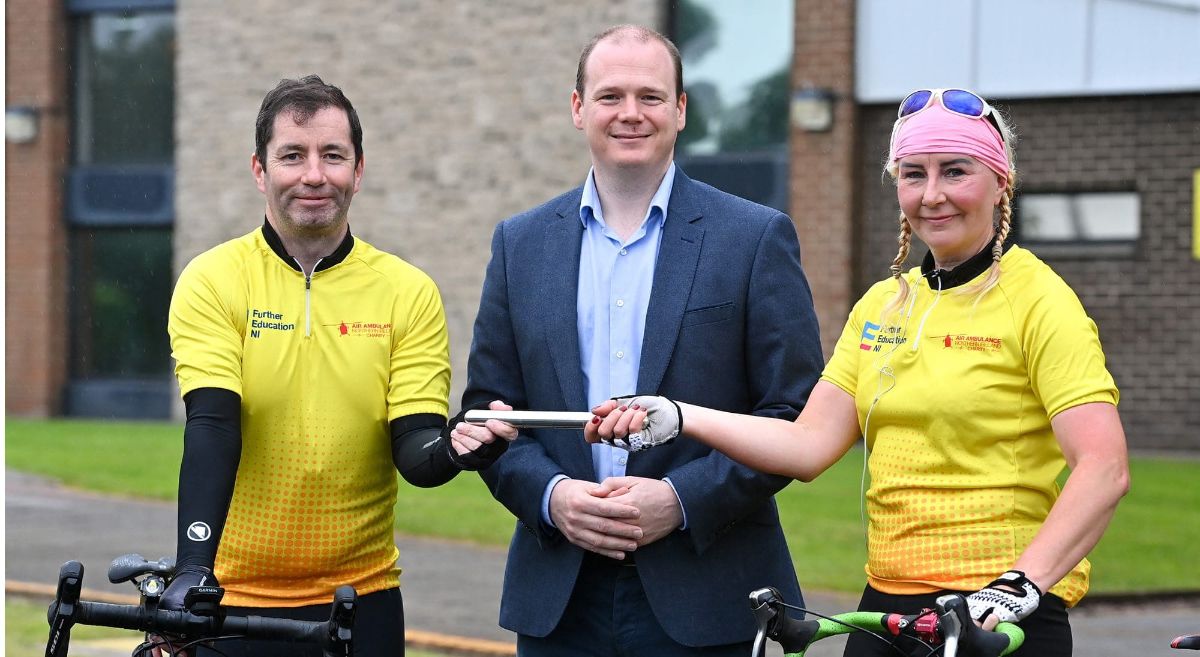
(1148, 547)
(130, 458)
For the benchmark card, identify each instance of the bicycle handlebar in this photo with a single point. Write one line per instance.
(334, 636)
(185, 623)
(1186, 642)
(950, 624)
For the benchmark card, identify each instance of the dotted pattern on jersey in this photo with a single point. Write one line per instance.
(931, 524)
(307, 515)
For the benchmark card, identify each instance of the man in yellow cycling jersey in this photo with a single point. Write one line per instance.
(311, 364)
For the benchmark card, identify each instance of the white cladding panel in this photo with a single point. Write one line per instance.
(900, 49)
(1146, 46)
(1027, 48)
(1031, 47)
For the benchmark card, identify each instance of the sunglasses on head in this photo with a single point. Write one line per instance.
(959, 101)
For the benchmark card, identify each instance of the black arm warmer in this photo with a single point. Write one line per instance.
(212, 449)
(419, 449)
(424, 455)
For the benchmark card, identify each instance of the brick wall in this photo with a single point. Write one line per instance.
(35, 317)
(465, 110)
(821, 170)
(1147, 305)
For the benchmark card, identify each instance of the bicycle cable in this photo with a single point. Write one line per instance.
(161, 642)
(173, 651)
(215, 640)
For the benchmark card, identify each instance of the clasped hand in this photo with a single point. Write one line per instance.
(616, 516)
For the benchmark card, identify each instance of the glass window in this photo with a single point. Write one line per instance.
(124, 88)
(1092, 217)
(122, 281)
(120, 207)
(737, 62)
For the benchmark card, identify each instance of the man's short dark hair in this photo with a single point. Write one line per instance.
(302, 99)
(639, 34)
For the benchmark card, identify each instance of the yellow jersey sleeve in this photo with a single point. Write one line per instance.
(206, 336)
(420, 359)
(1063, 351)
(859, 336)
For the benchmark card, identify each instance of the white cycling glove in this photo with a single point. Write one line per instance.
(664, 421)
(1006, 605)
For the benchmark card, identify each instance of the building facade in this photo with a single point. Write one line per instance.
(35, 249)
(465, 111)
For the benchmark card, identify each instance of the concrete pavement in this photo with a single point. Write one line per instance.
(451, 590)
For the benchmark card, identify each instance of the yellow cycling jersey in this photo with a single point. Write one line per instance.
(322, 364)
(955, 402)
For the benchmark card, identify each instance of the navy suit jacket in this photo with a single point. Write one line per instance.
(730, 325)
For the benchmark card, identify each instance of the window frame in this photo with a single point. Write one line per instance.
(75, 7)
(1078, 247)
(115, 394)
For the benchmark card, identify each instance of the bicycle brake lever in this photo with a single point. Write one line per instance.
(763, 604)
(760, 641)
(61, 614)
(952, 614)
(341, 621)
(950, 631)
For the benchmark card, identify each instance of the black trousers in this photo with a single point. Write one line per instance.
(609, 616)
(1047, 630)
(378, 629)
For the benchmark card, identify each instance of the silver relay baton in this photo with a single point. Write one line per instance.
(531, 419)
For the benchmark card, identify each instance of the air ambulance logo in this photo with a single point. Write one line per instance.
(349, 329)
(971, 343)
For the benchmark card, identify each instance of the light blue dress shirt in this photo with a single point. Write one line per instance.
(615, 279)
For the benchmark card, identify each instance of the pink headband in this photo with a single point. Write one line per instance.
(938, 130)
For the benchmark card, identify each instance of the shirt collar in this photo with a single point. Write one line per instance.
(963, 273)
(339, 254)
(589, 203)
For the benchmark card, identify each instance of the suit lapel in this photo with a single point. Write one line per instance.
(559, 290)
(674, 273)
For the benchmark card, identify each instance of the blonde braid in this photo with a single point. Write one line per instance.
(897, 268)
(1003, 228)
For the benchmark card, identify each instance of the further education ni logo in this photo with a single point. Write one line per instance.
(267, 320)
(874, 335)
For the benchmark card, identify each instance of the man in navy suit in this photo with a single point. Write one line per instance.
(640, 281)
